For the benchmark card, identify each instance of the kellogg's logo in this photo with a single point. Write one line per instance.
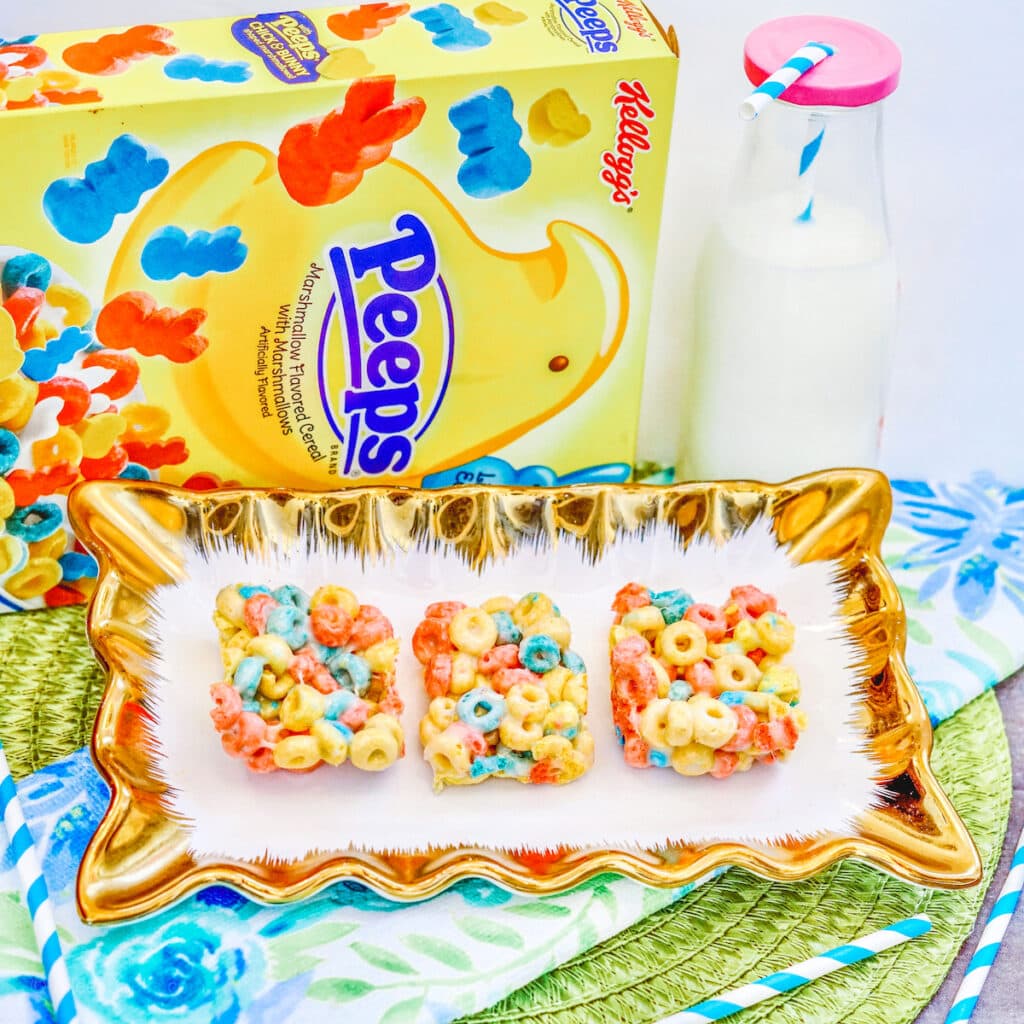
(385, 406)
(591, 22)
(633, 106)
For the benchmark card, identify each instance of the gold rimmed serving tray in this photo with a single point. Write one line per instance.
(139, 859)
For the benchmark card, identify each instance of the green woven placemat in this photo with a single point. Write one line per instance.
(729, 932)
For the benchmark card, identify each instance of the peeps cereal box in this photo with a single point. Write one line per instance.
(394, 243)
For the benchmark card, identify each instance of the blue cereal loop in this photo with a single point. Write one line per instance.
(76, 566)
(27, 270)
(539, 653)
(573, 662)
(322, 652)
(247, 676)
(292, 596)
(350, 670)
(34, 522)
(338, 703)
(680, 690)
(508, 631)
(133, 471)
(10, 447)
(289, 624)
(657, 759)
(491, 703)
(251, 591)
(732, 697)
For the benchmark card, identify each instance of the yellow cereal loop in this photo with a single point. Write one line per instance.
(12, 552)
(428, 730)
(335, 595)
(528, 702)
(682, 643)
(38, 576)
(551, 748)
(11, 355)
(530, 609)
(644, 620)
(64, 446)
(330, 743)
(498, 604)
(295, 753)
(98, 433)
(575, 690)
(17, 400)
(77, 308)
(49, 547)
(449, 756)
(274, 649)
(517, 735)
(473, 630)
(679, 723)
(553, 626)
(275, 687)
(555, 680)
(7, 503)
(442, 711)
(746, 635)
(562, 718)
(60, 80)
(618, 634)
(373, 750)
(381, 656)
(654, 722)
(388, 723)
(776, 632)
(145, 422)
(782, 680)
(231, 605)
(714, 724)
(693, 759)
(660, 674)
(302, 707)
(463, 673)
(735, 672)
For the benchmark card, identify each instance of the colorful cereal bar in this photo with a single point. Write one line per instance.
(507, 695)
(308, 680)
(700, 687)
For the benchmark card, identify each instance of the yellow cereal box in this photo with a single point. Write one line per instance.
(393, 243)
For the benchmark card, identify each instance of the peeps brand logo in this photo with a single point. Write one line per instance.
(591, 22)
(633, 109)
(383, 294)
(287, 42)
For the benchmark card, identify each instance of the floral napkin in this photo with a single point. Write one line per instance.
(957, 553)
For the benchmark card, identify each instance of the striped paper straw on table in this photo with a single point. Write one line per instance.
(36, 896)
(807, 57)
(967, 994)
(738, 999)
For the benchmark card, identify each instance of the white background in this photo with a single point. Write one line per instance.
(955, 170)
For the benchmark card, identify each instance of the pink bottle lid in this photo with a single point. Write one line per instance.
(864, 69)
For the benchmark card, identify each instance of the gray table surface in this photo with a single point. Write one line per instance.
(1002, 1000)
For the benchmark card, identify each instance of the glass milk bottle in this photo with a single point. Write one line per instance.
(796, 289)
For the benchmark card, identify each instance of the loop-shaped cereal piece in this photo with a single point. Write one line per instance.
(289, 623)
(381, 656)
(373, 750)
(244, 736)
(540, 653)
(746, 720)
(338, 703)
(65, 446)
(714, 723)
(646, 619)
(575, 691)
(519, 735)
(693, 759)
(735, 672)
(710, 619)
(555, 626)
(531, 608)
(145, 422)
(331, 624)
(780, 734)
(389, 724)
(302, 707)
(552, 748)
(529, 703)
(73, 393)
(449, 755)
(473, 630)
(331, 742)
(782, 680)
(444, 610)
(498, 604)
(332, 594)
(293, 597)
(635, 682)
(123, 379)
(680, 690)
(554, 682)
(632, 595)
(437, 676)
(8, 500)
(746, 635)
(776, 632)
(752, 601)
(227, 705)
(682, 644)
(77, 308)
(431, 639)
(14, 554)
(481, 708)
(674, 604)
(99, 433)
(110, 466)
(660, 673)
(34, 522)
(10, 447)
(442, 711)
(629, 649)
(276, 687)
(464, 673)
(508, 631)
(273, 649)
(17, 401)
(257, 610)
(296, 753)
(350, 670)
(248, 675)
(231, 605)
(55, 546)
(370, 627)
(725, 764)
(502, 656)
(562, 719)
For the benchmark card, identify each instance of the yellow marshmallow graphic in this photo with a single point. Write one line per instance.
(555, 120)
(493, 13)
(352, 361)
(346, 63)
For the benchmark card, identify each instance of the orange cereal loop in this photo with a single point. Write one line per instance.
(65, 446)
(145, 422)
(49, 547)
(98, 433)
(24, 305)
(126, 372)
(17, 400)
(28, 487)
(108, 467)
(73, 392)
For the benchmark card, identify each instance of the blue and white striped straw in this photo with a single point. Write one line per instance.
(967, 994)
(784, 981)
(36, 896)
(807, 57)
